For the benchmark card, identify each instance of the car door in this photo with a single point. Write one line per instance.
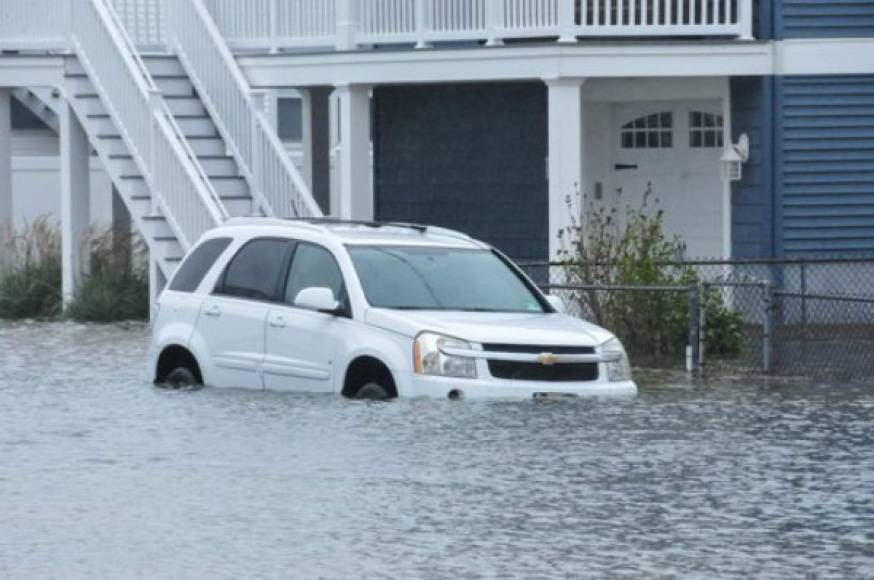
(233, 318)
(302, 344)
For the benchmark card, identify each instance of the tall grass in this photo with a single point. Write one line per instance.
(114, 288)
(117, 286)
(30, 279)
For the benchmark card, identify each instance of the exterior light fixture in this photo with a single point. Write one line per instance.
(734, 158)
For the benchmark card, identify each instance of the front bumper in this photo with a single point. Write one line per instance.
(422, 386)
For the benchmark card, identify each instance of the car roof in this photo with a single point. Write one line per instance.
(358, 232)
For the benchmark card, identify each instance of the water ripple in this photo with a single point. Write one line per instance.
(103, 476)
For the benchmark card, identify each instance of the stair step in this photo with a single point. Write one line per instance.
(185, 105)
(230, 187)
(175, 86)
(190, 126)
(156, 226)
(163, 65)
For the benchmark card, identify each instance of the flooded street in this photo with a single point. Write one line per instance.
(104, 476)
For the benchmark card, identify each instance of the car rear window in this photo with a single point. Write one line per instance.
(256, 269)
(197, 264)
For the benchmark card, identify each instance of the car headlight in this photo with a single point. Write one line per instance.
(619, 370)
(429, 358)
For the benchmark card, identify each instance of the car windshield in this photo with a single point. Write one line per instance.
(415, 278)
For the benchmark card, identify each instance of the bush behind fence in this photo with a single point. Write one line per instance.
(811, 317)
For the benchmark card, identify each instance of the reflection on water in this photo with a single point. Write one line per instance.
(102, 475)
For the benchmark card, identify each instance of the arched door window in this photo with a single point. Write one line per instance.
(655, 131)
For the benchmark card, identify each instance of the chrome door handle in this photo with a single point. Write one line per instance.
(213, 311)
(278, 322)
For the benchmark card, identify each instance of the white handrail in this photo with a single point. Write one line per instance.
(179, 188)
(273, 179)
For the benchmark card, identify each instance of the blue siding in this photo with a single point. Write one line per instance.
(824, 18)
(825, 164)
(753, 197)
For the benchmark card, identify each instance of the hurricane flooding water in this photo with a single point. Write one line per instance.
(105, 476)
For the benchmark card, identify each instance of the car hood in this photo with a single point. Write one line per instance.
(491, 327)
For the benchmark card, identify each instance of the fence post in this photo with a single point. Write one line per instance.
(567, 21)
(347, 24)
(494, 21)
(769, 299)
(693, 349)
(745, 17)
(702, 325)
(274, 27)
(421, 15)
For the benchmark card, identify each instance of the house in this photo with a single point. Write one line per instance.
(751, 122)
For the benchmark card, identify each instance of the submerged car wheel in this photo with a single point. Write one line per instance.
(181, 378)
(372, 392)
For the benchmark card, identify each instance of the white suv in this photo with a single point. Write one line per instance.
(371, 311)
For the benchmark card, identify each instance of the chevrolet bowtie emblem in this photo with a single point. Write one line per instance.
(547, 359)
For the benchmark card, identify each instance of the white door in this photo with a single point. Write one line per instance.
(232, 321)
(302, 344)
(673, 150)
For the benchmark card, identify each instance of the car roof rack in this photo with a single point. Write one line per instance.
(327, 221)
(421, 228)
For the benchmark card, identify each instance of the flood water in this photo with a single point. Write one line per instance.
(104, 476)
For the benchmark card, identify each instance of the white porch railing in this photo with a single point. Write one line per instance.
(180, 191)
(351, 24)
(239, 115)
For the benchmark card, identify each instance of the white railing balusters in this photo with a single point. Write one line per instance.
(275, 183)
(349, 24)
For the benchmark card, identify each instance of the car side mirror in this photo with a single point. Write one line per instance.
(556, 302)
(318, 300)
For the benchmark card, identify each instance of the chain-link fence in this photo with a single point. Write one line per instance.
(788, 317)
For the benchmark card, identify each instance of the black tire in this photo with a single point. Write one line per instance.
(181, 378)
(372, 392)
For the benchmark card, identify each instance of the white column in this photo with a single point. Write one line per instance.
(75, 201)
(316, 115)
(354, 198)
(6, 218)
(566, 154)
(157, 282)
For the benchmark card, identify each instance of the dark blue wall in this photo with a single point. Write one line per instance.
(753, 196)
(467, 156)
(824, 164)
(823, 18)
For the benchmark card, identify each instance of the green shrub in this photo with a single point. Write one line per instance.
(30, 280)
(631, 249)
(117, 286)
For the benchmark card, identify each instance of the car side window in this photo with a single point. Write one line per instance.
(256, 270)
(198, 263)
(314, 266)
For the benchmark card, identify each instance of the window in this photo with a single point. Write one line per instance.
(441, 279)
(705, 130)
(314, 267)
(197, 264)
(290, 120)
(654, 131)
(255, 270)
